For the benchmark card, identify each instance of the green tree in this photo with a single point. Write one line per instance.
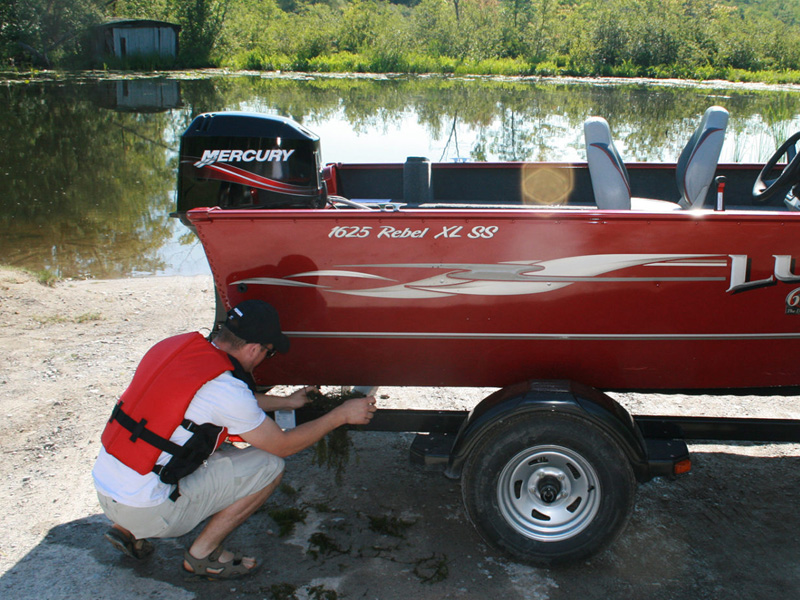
(480, 30)
(542, 28)
(201, 24)
(609, 34)
(358, 26)
(251, 26)
(435, 27)
(310, 32)
(47, 31)
(140, 9)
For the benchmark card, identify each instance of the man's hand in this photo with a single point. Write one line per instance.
(293, 401)
(357, 411)
(268, 436)
(299, 398)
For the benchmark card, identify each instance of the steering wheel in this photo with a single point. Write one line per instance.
(763, 188)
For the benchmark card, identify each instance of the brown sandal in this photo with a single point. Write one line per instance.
(212, 568)
(129, 545)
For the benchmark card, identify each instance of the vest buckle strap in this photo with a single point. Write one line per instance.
(138, 429)
(176, 493)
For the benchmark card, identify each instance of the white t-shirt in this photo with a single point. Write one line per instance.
(224, 401)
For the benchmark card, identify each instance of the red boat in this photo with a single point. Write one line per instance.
(491, 274)
(551, 282)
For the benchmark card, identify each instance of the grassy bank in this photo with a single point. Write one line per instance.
(348, 62)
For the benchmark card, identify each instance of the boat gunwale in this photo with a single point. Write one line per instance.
(549, 213)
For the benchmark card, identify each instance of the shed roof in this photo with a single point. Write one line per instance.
(137, 23)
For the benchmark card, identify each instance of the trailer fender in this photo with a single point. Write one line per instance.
(565, 397)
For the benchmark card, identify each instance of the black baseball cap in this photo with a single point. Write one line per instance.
(256, 322)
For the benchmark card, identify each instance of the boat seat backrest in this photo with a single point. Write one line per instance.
(698, 161)
(609, 176)
(694, 172)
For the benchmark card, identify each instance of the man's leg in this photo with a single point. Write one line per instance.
(225, 521)
(227, 490)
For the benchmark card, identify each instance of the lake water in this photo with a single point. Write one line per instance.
(88, 163)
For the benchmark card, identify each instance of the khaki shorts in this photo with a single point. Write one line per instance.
(230, 474)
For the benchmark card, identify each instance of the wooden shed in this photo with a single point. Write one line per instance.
(127, 38)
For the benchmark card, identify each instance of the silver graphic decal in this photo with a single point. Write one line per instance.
(501, 279)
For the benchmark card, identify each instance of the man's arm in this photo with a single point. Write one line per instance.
(293, 401)
(271, 438)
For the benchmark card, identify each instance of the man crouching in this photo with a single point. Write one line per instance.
(158, 474)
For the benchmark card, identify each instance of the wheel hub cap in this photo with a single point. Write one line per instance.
(548, 493)
(548, 485)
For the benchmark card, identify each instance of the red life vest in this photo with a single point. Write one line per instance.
(166, 380)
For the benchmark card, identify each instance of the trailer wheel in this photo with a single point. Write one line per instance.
(548, 489)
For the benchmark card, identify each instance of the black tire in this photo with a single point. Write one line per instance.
(548, 488)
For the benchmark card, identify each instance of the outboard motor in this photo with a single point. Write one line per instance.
(246, 160)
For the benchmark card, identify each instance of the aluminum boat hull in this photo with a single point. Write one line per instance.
(618, 300)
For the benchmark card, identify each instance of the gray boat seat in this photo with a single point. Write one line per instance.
(694, 174)
(698, 161)
(610, 182)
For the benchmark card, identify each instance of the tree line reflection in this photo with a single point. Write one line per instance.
(88, 168)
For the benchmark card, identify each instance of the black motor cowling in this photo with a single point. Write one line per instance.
(247, 160)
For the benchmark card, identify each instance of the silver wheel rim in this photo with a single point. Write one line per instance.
(548, 493)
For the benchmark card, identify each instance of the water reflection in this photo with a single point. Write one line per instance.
(87, 167)
(138, 95)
